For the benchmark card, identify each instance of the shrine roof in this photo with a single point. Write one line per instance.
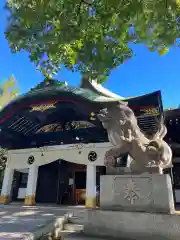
(43, 114)
(52, 113)
(56, 89)
(172, 113)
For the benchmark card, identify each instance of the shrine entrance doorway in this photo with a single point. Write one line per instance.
(59, 182)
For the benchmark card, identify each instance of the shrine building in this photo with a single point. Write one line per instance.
(172, 121)
(56, 144)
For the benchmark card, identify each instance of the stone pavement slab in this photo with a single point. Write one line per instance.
(22, 222)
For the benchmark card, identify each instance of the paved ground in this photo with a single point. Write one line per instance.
(20, 222)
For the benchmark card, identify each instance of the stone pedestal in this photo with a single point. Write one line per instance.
(133, 207)
(117, 170)
(131, 225)
(150, 193)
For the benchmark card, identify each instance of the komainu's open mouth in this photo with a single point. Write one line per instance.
(104, 115)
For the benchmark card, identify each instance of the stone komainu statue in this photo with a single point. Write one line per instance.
(148, 155)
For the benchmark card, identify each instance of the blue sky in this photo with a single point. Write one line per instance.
(146, 72)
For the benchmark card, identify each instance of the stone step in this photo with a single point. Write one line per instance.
(67, 232)
(60, 235)
(73, 227)
(78, 213)
(76, 220)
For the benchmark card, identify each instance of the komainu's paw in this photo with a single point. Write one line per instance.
(109, 161)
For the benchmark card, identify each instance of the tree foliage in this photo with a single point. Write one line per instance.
(8, 91)
(90, 36)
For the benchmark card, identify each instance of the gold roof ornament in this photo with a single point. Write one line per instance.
(92, 116)
(8, 91)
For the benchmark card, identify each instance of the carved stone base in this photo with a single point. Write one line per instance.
(127, 170)
(137, 193)
(117, 170)
(128, 225)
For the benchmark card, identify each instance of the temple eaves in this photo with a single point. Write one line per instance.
(86, 84)
(98, 88)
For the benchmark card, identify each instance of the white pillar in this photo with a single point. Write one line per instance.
(31, 186)
(7, 185)
(91, 186)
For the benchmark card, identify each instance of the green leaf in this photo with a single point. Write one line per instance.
(90, 36)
